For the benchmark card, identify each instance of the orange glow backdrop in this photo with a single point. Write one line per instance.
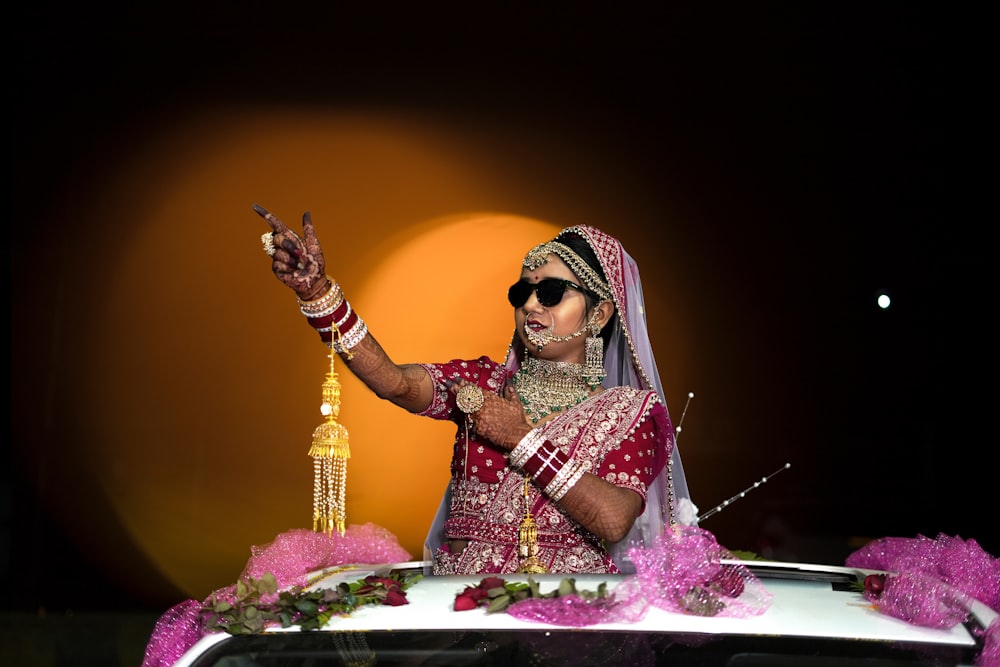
(195, 380)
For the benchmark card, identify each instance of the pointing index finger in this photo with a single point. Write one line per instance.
(276, 224)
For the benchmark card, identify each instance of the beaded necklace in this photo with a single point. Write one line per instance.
(550, 386)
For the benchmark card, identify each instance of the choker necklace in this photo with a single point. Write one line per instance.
(550, 386)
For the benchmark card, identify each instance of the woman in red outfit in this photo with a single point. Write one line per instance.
(564, 453)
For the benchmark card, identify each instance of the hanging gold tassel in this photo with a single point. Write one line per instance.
(527, 539)
(330, 452)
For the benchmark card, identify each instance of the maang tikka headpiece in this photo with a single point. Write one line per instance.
(539, 255)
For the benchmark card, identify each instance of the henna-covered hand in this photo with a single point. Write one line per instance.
(297, 261)
(501, 420)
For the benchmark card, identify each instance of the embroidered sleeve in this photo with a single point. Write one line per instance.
(482, 371)
(640, 456)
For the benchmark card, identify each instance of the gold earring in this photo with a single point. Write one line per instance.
(594, 360)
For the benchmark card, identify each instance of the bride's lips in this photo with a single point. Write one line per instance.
(533, 325)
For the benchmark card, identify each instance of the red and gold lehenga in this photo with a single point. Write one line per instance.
(623, 435)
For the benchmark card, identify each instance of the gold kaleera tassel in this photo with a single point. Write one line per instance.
(527, 539)
(330, 452)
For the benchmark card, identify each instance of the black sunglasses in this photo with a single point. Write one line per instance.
(549, 291)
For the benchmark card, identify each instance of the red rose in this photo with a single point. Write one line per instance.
(490, 583)
(388, 582)
(476, 593)
(874, 583)
(727, 581)
(474, 596)
(465, 602)
(373, 584)
(396, 597)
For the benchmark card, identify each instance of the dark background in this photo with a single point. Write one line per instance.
(825, 152)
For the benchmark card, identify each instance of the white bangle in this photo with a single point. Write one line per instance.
(565, 479)
(347, 341)
(526, 448)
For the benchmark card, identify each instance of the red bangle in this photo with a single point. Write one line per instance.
(324, 322)
(545, 463)
(331, 320)
(341, 311)
(346, 326)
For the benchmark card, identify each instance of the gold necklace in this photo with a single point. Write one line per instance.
(546, 386)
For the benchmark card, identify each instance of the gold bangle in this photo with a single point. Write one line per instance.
(317, 302)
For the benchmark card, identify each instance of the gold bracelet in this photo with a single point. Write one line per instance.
(331, 296)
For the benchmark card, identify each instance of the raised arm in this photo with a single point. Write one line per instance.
(299, 264)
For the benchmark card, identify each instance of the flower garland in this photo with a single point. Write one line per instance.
(683, 572)
(565, 605)
(257, 605)
(497, 594)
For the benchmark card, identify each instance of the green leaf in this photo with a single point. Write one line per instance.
(307, 607)
(254, 625)
(567, 587)
(498, 604)
(268, 584)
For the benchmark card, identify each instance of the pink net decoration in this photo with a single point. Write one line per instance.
(682, 572)
(571, 610)
(175, 632)
(990, 655)
(923, 599)
(297, 552)
(290, 557)
(930, 580)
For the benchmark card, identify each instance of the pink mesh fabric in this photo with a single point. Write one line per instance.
(174, 633)
(930, 580)
(297, 552)
(681, 572)
(990, 655)
(571, 610)
(290, 557)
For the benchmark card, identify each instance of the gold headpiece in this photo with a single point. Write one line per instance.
(540, 255)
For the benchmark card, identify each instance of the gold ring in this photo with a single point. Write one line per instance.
(469, 398)
(267, 239)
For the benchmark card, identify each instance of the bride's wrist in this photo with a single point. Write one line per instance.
(317, 290)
